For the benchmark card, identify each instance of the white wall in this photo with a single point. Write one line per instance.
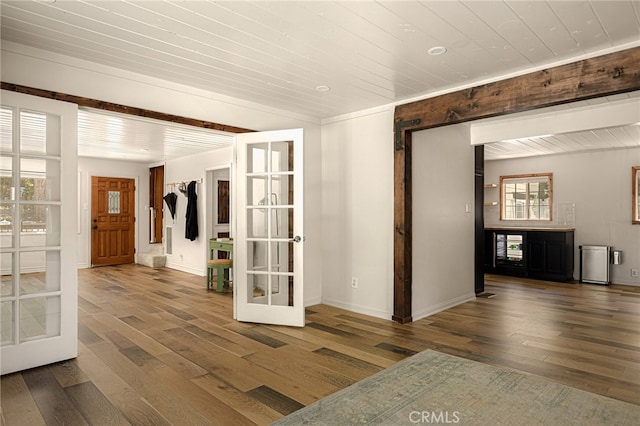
(88, 167)
(47, 70)
(443, 219)
(357, 212)
(186, 255)
(599, 184)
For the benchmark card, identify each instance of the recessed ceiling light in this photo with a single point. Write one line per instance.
(323, 88)
(437, 50)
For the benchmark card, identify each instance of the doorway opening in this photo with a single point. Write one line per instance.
(156, 193)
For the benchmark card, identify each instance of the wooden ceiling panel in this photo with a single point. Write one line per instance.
(369, 53)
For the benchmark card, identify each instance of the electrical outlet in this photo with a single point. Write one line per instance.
(354, 282)
(634, 273)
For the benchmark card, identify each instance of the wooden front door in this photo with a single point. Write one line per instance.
(112, 221)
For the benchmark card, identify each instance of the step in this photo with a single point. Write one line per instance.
(152, 260)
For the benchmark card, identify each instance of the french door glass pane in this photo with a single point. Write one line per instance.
(257, 256)
(6, 277)
(6, 225)
(40, 225)
(6, 322)
(7, 188)
(281, 152)
(33, 134)
(40, 272)
(282, 256)
(6, 129)
(257, 288)
(39, 317)
(257, 223)
(282, 290)
(257, 190)
(282, 223)
(39, 179)
(257, 158)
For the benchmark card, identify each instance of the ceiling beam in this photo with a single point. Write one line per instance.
(123, 109)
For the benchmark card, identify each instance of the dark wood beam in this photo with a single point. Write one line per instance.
(123, 109)
(402, 224)
(605, 75)
(590, 78)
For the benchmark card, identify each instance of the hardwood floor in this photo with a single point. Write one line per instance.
(156, 348)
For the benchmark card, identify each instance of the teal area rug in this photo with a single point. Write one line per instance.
(435, 388)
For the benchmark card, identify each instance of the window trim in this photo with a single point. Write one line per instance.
(524, 177)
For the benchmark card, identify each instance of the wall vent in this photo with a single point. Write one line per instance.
(169, 240)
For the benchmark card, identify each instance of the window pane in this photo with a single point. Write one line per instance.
(114, 202)
(526, 198)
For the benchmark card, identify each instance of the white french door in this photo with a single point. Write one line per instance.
(38, 214)
(269, 242)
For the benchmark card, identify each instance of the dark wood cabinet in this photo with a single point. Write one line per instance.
(548, 254)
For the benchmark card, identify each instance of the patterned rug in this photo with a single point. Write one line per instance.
(435, 388)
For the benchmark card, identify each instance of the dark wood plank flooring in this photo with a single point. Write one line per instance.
(156, 348)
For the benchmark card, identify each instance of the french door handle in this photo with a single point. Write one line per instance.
(297, 239)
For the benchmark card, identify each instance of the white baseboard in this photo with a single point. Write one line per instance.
(357, 308)
(313, 301)
(177, 267)
(430, 310)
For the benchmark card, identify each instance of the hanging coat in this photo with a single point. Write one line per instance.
(171, 199)
(191, 228)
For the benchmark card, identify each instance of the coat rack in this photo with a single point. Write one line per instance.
(182, 186)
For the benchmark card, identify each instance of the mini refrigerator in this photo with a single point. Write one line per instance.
(594, 264)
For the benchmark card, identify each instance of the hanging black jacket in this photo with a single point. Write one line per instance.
(191, 228)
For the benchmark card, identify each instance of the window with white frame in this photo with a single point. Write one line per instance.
(526, 197)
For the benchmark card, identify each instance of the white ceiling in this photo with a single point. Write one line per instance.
(593, 138)
(118, 136)
(276, 53)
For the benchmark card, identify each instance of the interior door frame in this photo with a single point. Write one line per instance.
(599, 76)
(136, 212)
(210, 189)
